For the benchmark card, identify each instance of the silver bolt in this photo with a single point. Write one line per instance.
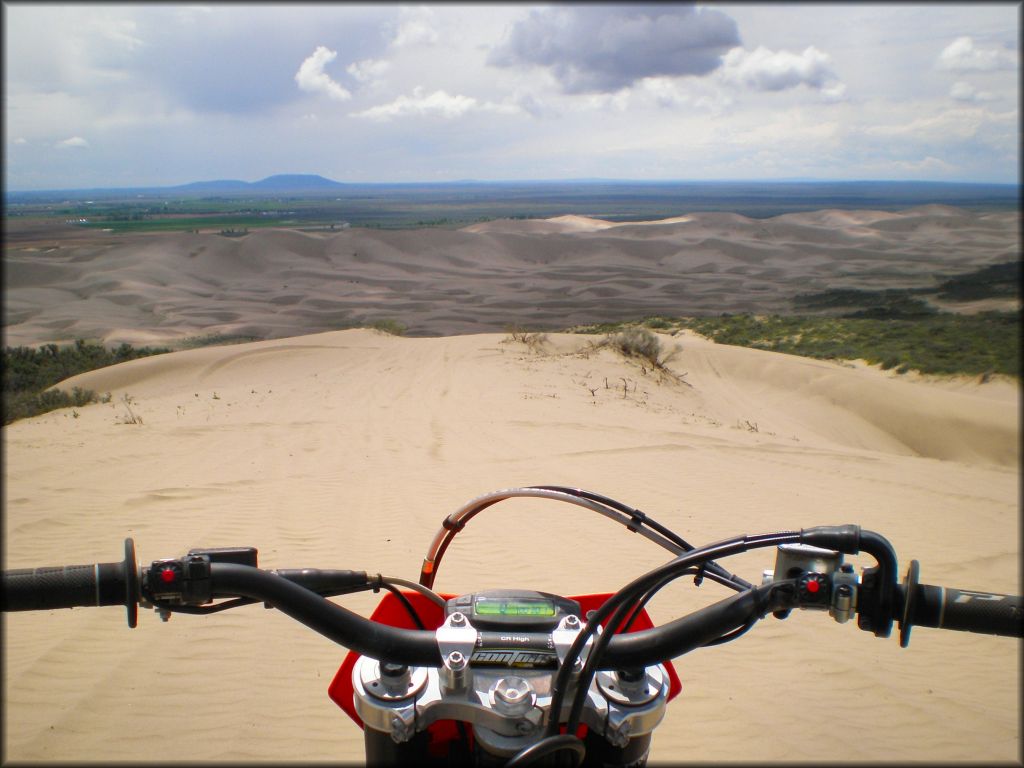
(524, 727)
(456, 661)
(512, 695)
(619, 737)
(457, 619)
(572, 622)
(401, 731)
(511, 689)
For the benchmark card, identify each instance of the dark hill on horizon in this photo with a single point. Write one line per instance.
(290, 183)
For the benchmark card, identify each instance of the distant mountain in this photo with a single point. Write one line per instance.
(298, 181)
(293, 183)
(217, 187)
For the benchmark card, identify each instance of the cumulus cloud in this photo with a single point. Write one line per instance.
(420, 103)
(415, 27)
(962, 56)
(599, 48)
(311, 76)
(766, 70)
(962, 91)
(71, 143)
(368, 69)
(672, 93)
(439, 104)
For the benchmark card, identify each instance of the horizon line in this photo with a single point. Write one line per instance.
(570, 180)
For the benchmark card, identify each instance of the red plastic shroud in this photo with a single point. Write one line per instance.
(390, 611)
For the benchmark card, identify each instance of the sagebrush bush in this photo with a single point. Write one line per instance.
(638, 342)
(389, 326)
(23, 405)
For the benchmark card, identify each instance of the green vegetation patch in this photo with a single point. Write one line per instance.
(215, 340)
(934, 343)
(889, 303)
(30, 373)
(389, 326)
(995, 281)
(940, 343)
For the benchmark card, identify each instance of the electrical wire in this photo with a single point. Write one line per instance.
(204, 609)
(548, 746)
(403, 600)
(390, 583)
(634, 591)
(730, 636)
(640, 518)
(417, 587)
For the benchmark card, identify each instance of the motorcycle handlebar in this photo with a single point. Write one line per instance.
(117, 584)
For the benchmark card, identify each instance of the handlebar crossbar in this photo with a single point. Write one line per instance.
(378, 641)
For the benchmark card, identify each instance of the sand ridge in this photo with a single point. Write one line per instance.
(549, 274)
(347, 448)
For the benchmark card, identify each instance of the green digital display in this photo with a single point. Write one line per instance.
(515, 607)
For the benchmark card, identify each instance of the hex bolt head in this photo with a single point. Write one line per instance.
(512, 695)
(456, 660)
(401, 731)
(619, 737)
(391, 669)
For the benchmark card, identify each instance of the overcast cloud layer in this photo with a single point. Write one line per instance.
(126, 94)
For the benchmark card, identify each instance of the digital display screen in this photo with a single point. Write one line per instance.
(514, 607)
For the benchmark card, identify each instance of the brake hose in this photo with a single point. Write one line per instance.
(634, 590)
(632, 519)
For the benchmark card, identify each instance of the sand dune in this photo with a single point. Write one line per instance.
(547, 274)
(346, 449)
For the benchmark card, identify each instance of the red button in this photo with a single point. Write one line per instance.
(813, 586)
(167, 575)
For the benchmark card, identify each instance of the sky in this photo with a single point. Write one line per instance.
(136, 94)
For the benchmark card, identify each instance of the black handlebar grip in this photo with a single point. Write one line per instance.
(969, 611)
(69, 586)
(74, 586)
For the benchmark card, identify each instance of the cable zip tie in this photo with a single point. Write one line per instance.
(637, 519)
(698, 577)
(379, 585)
(449, 525)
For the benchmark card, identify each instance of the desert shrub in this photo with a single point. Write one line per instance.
(23, 405)
(389, 326)
(535, 340)
(638, 342)
(216, 340)
(659, 323)
(30, 373)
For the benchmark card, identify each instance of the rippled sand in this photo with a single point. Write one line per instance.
(346, 449)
